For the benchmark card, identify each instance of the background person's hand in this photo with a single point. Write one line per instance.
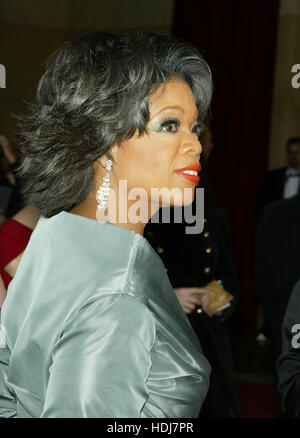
(7, 150)
(219, 298)
(189, 297)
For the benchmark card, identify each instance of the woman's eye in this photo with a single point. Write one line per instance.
(170, 126)
(198, 129)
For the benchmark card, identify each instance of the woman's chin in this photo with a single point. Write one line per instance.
(188, 195)
(175, 197)
(183, 201)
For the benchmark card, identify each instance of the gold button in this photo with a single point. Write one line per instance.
(206, 234)
(150, 234)
(204, 220)
(199, 310)
(159, 250)
(166, 269)
(207, 270)
(208, 250)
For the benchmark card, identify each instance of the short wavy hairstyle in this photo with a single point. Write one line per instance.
(94, 94)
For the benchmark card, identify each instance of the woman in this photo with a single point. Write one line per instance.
(92, 325)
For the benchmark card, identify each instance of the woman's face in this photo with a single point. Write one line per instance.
(151, 161)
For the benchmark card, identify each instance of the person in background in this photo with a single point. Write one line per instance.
(15, 226)
(288, 366)
(7, 182)
(14, 237)
(283, 183)
(15, 203)
(7, 152)
(2, 218)
(277, 267)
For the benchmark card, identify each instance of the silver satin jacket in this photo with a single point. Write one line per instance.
(91, 327)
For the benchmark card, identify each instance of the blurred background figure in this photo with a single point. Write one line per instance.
(7, 152)
(280, 183)
(289, 361)
(193, 261)
(10, 197)
(284, 182)
(7, 180)
(277, 266)
(14, 237)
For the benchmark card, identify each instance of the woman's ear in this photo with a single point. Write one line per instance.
(114, 152)
(101, 161)
(111, 155)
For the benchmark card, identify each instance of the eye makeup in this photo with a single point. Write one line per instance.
(172, 125)
(169, 125)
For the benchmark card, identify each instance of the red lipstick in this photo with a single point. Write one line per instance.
(190, 177)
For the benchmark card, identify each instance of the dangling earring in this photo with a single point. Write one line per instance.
(104, 190)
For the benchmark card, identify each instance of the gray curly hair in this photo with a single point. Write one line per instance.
(93, 94)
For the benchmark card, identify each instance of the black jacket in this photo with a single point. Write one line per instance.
(272, 186)
(196, 259)
(276, 254)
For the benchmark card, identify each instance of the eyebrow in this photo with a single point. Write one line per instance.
(172, 107)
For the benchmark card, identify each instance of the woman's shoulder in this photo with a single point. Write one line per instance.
(72, 255)
(117, 310)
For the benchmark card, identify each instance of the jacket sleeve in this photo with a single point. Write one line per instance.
(102, 361)
(7, 400)
(288, 366)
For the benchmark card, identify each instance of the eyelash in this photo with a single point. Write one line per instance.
(170, 122)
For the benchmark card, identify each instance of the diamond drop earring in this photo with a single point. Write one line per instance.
(104, 190)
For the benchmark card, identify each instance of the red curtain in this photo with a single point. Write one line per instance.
(238, 40)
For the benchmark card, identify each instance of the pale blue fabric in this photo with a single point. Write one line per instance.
(93, 328)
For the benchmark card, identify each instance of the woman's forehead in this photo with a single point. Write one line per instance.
(175, 94)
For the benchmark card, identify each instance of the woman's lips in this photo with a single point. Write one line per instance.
(192, 176)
